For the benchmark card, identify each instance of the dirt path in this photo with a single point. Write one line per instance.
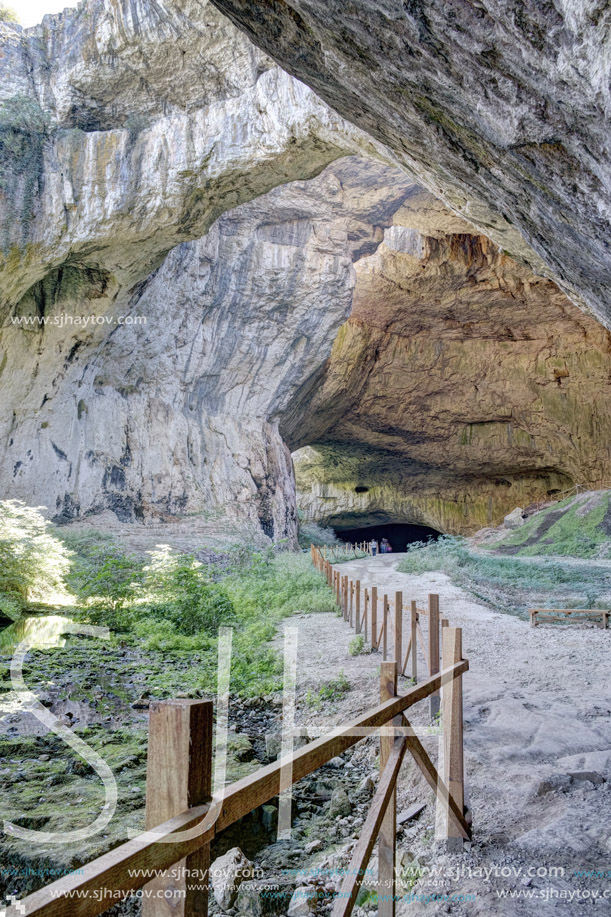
(537, 710)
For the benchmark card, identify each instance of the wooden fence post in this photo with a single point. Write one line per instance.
(351, 617)
(374, 617)
(357, 604)
(453, 759)
(365, 611)
(388, 830)
(385, 627)
(414, 639)
(433, 651)
(399, 628)
(178, 776)
(345, 597)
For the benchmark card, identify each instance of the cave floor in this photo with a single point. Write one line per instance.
(537, 708)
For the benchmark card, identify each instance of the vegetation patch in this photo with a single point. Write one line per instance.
(576, 527)
(512, 584)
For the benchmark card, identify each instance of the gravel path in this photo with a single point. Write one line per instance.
(537, 725)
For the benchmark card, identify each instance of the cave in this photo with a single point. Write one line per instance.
(399, 534)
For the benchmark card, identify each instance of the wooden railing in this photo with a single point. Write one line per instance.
(335, 553)
(182, 819)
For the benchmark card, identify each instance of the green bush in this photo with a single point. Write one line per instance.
(104, 579)
(33, 561)
(357, 647)
(331, 690)
(313, 533)
(8, 14)
(179, 589)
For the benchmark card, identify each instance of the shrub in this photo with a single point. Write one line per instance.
(181, 591)
(313, 533)
(8, 14)
(357, 647)
(104, 578)
(33, 561)
(329, 691)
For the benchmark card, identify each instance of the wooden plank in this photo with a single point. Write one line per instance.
(431, 775)
(116, 869)
(398, 627)
(407, 652)
(250, 792)
(345, 901)
(453, 761)
(570, 611)
(388, 826)
(366, 609)
(410, 813)
(155, 850)
(357, 604)
(386, 615)
(178, 777)
(375, 642)
(434, 700)
(414, 641)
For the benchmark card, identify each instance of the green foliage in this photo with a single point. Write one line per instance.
(357, 647)
(8, 14)
(33, 561)
(319, 535)
(367, 898)
(511, 582)
(329, 691)
(178, 588)
(570, 528)
(104, 579)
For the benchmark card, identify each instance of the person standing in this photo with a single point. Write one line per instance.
(374, 547)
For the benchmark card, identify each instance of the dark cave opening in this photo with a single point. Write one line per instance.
(399, 534)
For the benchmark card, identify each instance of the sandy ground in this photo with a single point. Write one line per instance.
(537, 709)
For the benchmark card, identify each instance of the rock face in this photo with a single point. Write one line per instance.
(461, 386)
(197, 276)
(501, 109)
(126, 131)
(174, 407)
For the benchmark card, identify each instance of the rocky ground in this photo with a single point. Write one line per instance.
(538, 759)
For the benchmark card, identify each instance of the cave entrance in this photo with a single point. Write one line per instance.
(398, 534)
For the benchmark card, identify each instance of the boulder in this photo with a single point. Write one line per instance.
(340, 806)
(514, 519)
(303, 901)
(227, 874)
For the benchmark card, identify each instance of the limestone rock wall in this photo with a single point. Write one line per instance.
(500, 108)
(173, 408)
(461, 386)
(126, 129)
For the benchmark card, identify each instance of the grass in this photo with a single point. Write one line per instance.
(571, 528)
(331, 690)
(512, 583)
(164, 615)
(357, 646)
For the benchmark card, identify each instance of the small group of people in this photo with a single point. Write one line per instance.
(385, 547)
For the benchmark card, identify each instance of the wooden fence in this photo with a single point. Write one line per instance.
(379, 618)
(182, 818)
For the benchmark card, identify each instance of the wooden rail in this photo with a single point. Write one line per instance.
(382, 621)
(182, 819)
(561, 614)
